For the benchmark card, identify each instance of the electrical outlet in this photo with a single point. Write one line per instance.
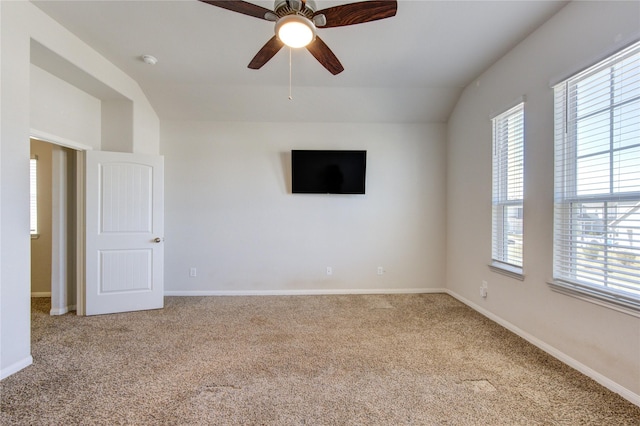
(329, 270)
(380, 270)
(484, 289)
(193, 272)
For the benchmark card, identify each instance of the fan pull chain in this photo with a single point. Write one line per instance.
(290, 97)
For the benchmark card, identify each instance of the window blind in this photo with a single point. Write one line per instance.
(597, 179)
(33, 195)
(508, 187)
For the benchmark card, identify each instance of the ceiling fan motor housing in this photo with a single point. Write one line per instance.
(300, 7)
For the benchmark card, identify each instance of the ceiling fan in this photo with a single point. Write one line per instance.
(297, 21)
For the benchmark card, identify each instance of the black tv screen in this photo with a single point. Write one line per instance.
(328, 172)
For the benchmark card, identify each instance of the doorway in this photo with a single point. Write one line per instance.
(53, 241)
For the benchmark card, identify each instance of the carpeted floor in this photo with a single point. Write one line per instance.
(297, 360)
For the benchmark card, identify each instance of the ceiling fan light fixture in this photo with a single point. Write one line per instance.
(295, 30)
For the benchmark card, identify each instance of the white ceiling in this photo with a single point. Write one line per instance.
(409, 68)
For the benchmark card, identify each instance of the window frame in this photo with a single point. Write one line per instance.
(504, 178)
(572, 236)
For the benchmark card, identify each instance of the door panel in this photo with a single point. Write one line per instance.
(124, 229)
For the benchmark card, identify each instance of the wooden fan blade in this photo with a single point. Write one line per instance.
(358, 13)
(243, 7)
(267, 52)
(325, 56)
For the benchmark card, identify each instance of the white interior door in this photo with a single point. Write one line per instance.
(124, 219)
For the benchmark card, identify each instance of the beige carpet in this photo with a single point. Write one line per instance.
(297, 360)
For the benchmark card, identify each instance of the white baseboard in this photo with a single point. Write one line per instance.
(62, 311)
(309, 292)
(587, 371)
(15, 367)
(41, 294)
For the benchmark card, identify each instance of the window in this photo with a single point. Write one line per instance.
(597, 182)
(33, 193)
(508, 189)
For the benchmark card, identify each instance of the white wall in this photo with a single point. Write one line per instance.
(14, 190)
(230, 212)
(58, 108)
(117, 128)
(598, 340)
(74, 61)
(21, 22)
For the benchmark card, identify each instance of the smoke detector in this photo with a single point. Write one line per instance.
(149, 59)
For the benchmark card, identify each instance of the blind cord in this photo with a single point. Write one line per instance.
(290, 96)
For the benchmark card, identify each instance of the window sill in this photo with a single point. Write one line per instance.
(35, 236)
(508, 270)
(620, 303)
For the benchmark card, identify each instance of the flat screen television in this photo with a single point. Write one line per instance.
(328, 172)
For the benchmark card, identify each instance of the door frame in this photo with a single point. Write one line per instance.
(79, 149)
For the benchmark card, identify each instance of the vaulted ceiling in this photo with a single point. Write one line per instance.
(409, 68)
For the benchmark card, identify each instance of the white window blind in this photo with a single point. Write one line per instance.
(597, 181)
(508, 188)
(33, 194)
